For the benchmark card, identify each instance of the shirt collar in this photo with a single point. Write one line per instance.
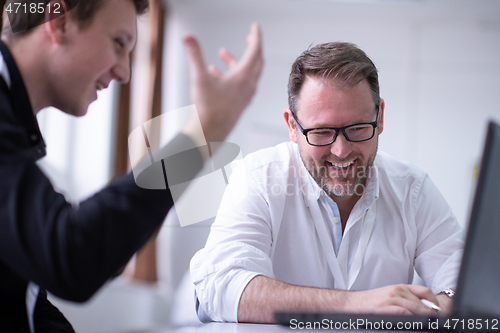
(4, 71)
(372, 188)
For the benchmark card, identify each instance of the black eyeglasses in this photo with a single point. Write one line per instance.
(327, 135)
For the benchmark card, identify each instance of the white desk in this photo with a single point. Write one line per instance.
(226, 328)
(243, 328)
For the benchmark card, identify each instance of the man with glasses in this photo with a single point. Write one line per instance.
(326, 223)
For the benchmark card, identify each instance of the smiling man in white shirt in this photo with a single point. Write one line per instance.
(325, 222)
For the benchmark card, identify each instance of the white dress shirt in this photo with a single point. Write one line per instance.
(274, 220)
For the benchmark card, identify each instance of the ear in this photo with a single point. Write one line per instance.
(290, 122)
(57, 21)
(381, 116)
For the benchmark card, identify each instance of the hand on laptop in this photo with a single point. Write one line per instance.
(394, 299)
(220, 98)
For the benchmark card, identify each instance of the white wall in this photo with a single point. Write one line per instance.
(439, 64)
(79, 150)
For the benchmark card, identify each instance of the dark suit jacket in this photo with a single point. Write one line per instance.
(68, 251)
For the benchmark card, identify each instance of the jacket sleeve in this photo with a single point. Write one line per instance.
(70, 251)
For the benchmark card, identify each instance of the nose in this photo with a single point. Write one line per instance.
(341, 147)
(121, 71)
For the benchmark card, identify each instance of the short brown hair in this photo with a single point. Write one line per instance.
(83, 11)
(342, 62)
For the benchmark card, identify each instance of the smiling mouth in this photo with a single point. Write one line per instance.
(341, 166)
(342, 170)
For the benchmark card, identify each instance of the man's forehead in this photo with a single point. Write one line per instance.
(315, 87)
(333, 82)
(120, 15)
(319, 95)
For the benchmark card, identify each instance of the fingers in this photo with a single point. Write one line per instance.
(215, 71)
(228, 58)
(252, 57)
(396, 299)
(399, 310)
(405, 299)
(195, 57)
(254, 39)
(423, 292)
(413, 296)
(251, 62)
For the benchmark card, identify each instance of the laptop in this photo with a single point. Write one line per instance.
(476, 304)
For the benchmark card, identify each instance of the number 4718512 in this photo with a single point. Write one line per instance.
(32, 8)
(471, 324)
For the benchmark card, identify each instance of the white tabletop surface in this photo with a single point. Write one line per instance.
(246, 328)
(225, 328)
(242, 328)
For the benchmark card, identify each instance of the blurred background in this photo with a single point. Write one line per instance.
(439, 70)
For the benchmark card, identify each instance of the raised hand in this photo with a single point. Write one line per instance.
(221, 97)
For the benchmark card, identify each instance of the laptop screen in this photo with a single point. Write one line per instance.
(478, 290)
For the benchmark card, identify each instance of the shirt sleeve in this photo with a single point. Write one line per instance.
(440, 239)
(237, 249)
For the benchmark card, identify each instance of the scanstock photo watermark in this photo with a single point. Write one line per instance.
(430, 324)
(179, 170)
(355, 184)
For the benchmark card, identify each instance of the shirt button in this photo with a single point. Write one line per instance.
(335, 220)
(34, 137)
